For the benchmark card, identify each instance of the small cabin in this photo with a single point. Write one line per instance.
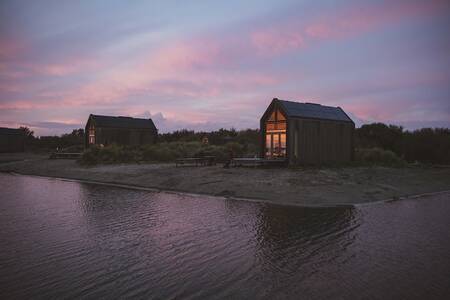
(11, 140)
(306, 133)
(125, 131)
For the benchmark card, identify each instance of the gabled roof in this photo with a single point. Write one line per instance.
(4, 130)
(312, 111)
(122, 122)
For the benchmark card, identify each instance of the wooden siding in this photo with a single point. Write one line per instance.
(319, 141)
(120, 136)
(12, 143)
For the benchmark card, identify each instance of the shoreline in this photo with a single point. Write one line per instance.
(262, 201)
(325, 187)
(179, 192)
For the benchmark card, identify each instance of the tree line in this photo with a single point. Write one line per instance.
(73, 141)
(427, 145)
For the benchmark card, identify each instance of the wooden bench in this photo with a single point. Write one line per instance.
(64, 155)
(256, 162)
(196, 161)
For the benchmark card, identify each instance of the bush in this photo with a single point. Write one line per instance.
(378, 156)
(90, 156)
(429, 145)
(162, 152)
(110, 154)
(159, 152)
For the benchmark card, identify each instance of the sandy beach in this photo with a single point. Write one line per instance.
(304, 186)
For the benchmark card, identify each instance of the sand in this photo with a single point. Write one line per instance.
(303, 186)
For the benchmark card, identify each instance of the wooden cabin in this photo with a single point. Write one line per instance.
(12, 140)
(126, 131)
(306, 133)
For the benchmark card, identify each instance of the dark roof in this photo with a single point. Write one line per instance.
(4, 130)
(313, 111)
(122, 122)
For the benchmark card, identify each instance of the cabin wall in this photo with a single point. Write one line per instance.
(125, 137)
(313, 142)
(12, 143)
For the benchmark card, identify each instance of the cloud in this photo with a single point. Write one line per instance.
(165, 124)
(224, 76)
(42, 128)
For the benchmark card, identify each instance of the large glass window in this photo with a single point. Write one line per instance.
(276, 135)
(91, 135)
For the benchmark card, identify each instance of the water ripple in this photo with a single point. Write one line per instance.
(70, 240)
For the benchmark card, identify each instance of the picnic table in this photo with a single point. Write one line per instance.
(196, 161)
(65, 155)
(255, 162)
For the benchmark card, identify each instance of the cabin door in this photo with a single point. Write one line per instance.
(275, 145)
(91, 135)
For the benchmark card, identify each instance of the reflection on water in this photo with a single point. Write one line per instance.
(65, 239)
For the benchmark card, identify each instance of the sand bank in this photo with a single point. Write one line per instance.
(307, 186)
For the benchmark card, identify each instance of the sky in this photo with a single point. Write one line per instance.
(205, 65)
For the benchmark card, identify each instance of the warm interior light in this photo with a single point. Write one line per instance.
(276, 135)
(91, 134)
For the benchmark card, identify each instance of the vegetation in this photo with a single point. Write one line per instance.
(375, 143)
(219, 137)
(70, 142)
(378, 156)
(425, 145)
(163, 152)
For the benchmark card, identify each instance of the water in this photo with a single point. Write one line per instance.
(69, 240)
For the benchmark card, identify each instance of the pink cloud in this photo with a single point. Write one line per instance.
(68, 67)
(276, 41)
(10, 48)
(18, 105)
(366, 17)
(211, 66)
(375, 111)
(17, 62)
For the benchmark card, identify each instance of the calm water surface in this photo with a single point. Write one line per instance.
(71, 240)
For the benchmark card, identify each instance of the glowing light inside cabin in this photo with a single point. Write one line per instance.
(276, 135)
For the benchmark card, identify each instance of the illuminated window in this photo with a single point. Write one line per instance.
(91, 135)
(283, 141)
(276, 135)
(296, 143)
(268, 145)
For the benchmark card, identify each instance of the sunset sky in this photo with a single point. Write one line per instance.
(209, 64)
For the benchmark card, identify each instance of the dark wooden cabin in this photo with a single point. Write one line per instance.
(306, 133)
(126, 131)
(11, 140)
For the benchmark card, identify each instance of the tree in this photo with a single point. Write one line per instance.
(388, 137)
(29, 134)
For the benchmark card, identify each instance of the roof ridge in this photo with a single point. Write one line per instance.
(121, 117)
(312, 103)
(313, 110)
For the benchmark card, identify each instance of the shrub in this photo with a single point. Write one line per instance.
(162, 152)
(429, 145)
(90, 156)
(110, 154)
(378, 156)
(158, 152)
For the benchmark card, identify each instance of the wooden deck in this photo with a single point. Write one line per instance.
(63, 155)
(257, 162)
